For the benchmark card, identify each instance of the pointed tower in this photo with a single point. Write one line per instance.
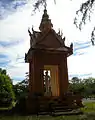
(45, 22)
(47, 52)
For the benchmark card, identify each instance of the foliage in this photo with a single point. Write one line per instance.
(38, 3)
(6, 91)
(21, 93)
(85, 87)
(20, 106)
(41, 3)
(85, 11)
(21, 89)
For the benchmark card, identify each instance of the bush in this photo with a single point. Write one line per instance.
(5, 103)
(6, 89)
(20, 106)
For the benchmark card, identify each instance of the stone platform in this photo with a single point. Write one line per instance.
(52, 105)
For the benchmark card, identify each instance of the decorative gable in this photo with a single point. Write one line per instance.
(47, 39)
(50, 40)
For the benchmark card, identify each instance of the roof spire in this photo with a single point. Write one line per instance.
(45, 22)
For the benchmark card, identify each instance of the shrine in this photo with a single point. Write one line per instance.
(48, 71)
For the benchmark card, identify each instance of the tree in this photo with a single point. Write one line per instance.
(85, 10)
(86, 87)
(75, 80)
(21, 89)
(77, 86)
(89, 84)
(6, 90)
(21, 93)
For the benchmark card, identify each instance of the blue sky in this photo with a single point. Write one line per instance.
(10, 6)
(15, 19)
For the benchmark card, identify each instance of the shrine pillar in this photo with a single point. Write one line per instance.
(38, 83)
(63, 76)
(30, 77)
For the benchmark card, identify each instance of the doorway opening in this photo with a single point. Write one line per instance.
(51, 81)
(47, 83)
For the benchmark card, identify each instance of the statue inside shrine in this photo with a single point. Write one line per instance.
(47, 84)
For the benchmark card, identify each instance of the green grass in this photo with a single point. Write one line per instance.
(89, 108)
(38, 118)
(8, 108)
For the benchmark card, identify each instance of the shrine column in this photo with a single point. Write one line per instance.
(30, 76)
(66, 75)
(38, 84)
(63, 76)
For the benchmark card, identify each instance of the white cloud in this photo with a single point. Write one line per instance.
(83, 64)
(18, 70)
(15, 27)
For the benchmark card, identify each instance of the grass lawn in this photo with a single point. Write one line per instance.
(89, 108)
(45, 117)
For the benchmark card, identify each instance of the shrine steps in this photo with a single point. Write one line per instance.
(57, 108)
(54, 105)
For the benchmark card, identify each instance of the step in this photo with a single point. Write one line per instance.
(62, 106)
(67, 113)
(62, 110)
(42, 113)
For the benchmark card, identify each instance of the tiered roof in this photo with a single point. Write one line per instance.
(47, 38)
